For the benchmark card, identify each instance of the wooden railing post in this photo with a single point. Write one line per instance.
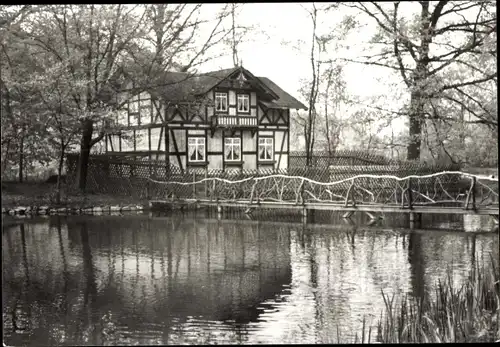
(410, 195)
(206, 183)
(302, 192)
(474, 193)
(148, 186)
(213, 193)
(194, 185)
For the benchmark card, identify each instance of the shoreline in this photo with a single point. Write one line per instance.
(41, 210)
(38, 198)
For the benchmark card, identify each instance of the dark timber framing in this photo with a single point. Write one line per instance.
(168, 124)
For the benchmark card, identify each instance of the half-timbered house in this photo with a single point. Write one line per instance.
(227, 119)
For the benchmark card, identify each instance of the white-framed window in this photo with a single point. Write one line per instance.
(266, 148)
(232, 149)
(196, 149)
(220, 102)
(243, 103)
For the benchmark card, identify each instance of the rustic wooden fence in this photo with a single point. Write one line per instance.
(159, 180)
(437, 189)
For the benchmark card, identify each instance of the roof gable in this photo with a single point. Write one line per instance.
(185, 86)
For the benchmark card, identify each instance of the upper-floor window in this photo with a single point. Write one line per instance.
(265, 148)
(243, 103)
(196, 149)
(220, 102)
(232, 148)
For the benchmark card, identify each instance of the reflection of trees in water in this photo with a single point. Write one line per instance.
(142, 273)
(106, 249)
(451, 255)
(65, 273)
(352, 266)
(189, 256)
(30, 283)
(21, 313)
(417, 266)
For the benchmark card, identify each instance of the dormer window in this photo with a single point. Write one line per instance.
(243, 103)
(220, 102)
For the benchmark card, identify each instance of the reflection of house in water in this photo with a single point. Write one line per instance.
(154, 277)
(171, 280)
(187, 267)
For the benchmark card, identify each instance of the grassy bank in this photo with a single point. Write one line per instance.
(41, 193)
(466, 314)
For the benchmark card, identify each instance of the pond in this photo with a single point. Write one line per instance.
(193, 279)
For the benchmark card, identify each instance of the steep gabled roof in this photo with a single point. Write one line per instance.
(185, 86)
(284, 100)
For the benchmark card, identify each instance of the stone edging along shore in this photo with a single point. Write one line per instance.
(45, 210)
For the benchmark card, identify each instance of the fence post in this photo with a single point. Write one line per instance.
(410, 196)
(148, 187)
(194, 185)
(302, 192)
(474, 193)
(213, 193)
(206, 182)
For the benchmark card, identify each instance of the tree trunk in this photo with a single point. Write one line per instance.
(327, 130)
(59, 173)
(415, 129)
(6, 156)
(83, 161)
(420, 76)
(307, 138)
(234, 44)
(8, 110)
(21, 158)
(415, 140)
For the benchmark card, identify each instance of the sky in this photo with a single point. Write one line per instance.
(276, 57)
(281, 52)
(279, 48)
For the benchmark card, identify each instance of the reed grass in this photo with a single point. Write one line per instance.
(466, 314)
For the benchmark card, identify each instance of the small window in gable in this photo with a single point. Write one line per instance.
(243, 103)
(220, 102)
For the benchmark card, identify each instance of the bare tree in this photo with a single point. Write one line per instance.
(309, 123)
(91, 43)
(174, 34)
(334, 96)
(436, 54)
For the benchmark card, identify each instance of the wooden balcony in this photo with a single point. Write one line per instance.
(225, 121)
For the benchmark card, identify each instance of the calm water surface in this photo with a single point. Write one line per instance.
(173, 279)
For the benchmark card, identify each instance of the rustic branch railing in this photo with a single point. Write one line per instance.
(448, 188)
(407, 185)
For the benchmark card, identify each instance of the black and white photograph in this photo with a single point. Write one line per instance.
(249, 173)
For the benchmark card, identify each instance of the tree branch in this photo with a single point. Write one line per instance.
(468, 83)
(436, 14)
(402, 68)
